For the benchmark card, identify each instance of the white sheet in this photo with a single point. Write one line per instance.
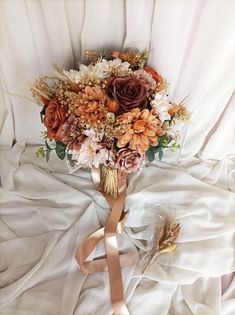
(46, 213)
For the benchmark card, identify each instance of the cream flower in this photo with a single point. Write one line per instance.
(161, 105)
(90, 154)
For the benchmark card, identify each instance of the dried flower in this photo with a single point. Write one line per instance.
(41, 91)
(133, 57)
(165, 242)
(71, 134)
(92, 55)
(139, 129)
(179, 112)
(90, 107)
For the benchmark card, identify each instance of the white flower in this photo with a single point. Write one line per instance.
(71, 75)
(94, 135)
(90, 154)
(161, 105)
(107, 66)
(100, 70)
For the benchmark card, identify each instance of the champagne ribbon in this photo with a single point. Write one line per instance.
(113, 261)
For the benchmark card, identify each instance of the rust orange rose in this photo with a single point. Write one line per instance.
(128, 92)
(54, 118)
(157, 77)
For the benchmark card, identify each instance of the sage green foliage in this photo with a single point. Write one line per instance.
(60, 149)
(69, 158)
(48, 151)
(163, 143)
(40, 152)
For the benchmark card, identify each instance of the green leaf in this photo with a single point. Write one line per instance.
(60, 150)
(155, 149)
(150, 154)
(174, 147)
(69, 158)
(163, 141)
(48, 147)
(42, 113)
(48, 155)
(40, 152)
(160, 153)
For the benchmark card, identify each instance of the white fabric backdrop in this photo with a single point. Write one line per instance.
(192, 44)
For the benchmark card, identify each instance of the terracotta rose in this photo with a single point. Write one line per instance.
(54, 119)
(128, 92)
(157, 77)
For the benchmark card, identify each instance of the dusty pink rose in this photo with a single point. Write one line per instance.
(129, 160)
(128, 92)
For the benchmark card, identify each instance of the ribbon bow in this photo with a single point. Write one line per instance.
(113, 261)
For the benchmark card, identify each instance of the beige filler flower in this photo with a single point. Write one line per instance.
(139, 129)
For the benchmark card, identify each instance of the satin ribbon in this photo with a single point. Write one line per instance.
(113, 261)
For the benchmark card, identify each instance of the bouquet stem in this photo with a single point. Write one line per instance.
(109, 181)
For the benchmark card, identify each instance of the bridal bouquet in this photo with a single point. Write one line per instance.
(112, 114)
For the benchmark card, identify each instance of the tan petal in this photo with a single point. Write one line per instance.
(149, 133)
(153, 141)
(144, 140)
(120, 145)
(144, 114)
(127, 137)
(136, 139)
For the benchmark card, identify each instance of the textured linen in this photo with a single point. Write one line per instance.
(47, 212)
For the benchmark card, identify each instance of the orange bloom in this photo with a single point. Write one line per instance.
(90, 106)
(139, 129)
(115, 54)
(54, 118)
(157, 77)
(112, 106)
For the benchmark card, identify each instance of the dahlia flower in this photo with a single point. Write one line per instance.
(138, 129)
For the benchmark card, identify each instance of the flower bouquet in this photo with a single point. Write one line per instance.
(111, 116)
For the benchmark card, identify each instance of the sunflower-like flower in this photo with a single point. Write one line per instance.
(90, 107)
(139, 129)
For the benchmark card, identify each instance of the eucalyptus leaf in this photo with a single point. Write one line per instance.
(150, 154)
(160, 153)
(60, 150)
(48, 147)
(48, 155)
(69, 158)
(42, 113)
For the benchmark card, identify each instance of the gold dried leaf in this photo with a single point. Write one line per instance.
(166, 240)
